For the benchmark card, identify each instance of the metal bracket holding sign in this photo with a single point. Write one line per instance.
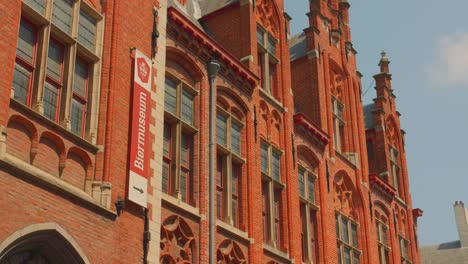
(140, 136)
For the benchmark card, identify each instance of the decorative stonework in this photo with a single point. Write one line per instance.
(230, 253)
(177, 241)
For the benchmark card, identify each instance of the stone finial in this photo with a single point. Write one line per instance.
(383, 55)
(384, 62)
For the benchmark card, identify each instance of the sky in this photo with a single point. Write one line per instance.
(427, 44)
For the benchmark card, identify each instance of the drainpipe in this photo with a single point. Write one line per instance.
(213, 68)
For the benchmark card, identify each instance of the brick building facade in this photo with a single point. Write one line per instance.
(304, 173)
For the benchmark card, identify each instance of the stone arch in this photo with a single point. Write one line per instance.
(275, 126)
(46, 242)
(392, 131)
(307, 156)
(51, 154)
(346, 197)
(234, 97)
(177, 242)
(382, 212)
(184, 65)
(21, 130)
(268, 14)
(78, 167)
(229, 252)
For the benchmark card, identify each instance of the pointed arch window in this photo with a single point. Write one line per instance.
(229, 167)
(383, 241)
(267, 60)
(179, 139)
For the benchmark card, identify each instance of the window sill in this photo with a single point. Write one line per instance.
(42, 120)
(342, 156)
(311, 204)
(276, 253)
(277, 104)
(233, 231)
(178, 204)
(401, 201)
(54, 183)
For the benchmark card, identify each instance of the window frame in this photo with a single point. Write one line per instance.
(394, 167)
(180, 128)
(273, 231)
(267, 57)
(339, 124)
(28, 66)
(231, 161)
(384, 248)
(404, 249)
(342, 245)
(43, 19)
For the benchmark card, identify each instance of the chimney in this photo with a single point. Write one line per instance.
(461, 218)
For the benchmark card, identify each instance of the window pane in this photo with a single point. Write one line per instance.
(264, 158)
(26, 41)
(170, 98)
(183, 185)
(54, 61)
(337, 226)
(236, 138)
(260, 36)
(21, 80)
(87, 30)
(235, 174)
(347, 255)
(301, 182)
(265, 217)
(384, 235)
(271, 46)
(220, 186)
(221, 124)
(50, 101)
(275, 165)
(62, 14)
(165, 177)
(80, 78)
(185, 151)
(354, 235)
(187, 107)
(76, 116)
(220, 171)
(344, 230)
(356, 258)
(38, 5)
(339, 253)
(167, 140)
(311, 190)
(277, 213)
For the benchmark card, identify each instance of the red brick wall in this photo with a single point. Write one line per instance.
(27, 201)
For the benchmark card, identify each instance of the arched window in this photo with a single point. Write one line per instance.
(383, 240)
(307, 175)
(179, 138)
(346, 221)
(229, 133)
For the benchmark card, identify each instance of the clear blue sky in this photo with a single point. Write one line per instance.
(427, 43)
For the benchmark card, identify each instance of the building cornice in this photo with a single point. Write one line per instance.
(214, 48)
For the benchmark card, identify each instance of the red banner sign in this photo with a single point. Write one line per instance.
(140, 141)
